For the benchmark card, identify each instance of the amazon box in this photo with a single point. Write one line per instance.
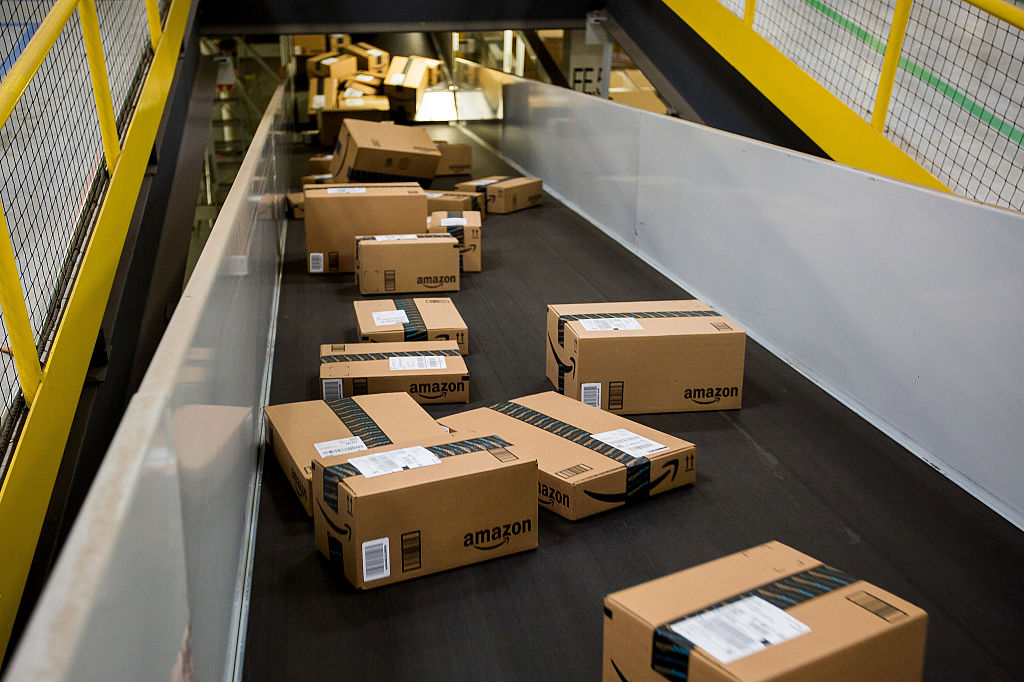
(590, 461)
(335, 214)
(359, 88)
(456, 158)
(406, 80)
(320, 164)
(305, 44)
(400, 511)
(434, 72)
(410, 319)
(338, 41)
(312, 430)
(323, 92)
(369, 58)
(450, 200)
(514, 195)
(295, 205)
(362, 107)
(647, 356)
(429, 371)
(407, 263)
(330, 65)
(481, 184)
(377, 152)
(768, 613)
(466, 227)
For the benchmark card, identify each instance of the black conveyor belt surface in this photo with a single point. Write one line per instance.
(793, 465)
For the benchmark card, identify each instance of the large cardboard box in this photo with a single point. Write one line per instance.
(336, 214)
(456, 158)
(768, 613)
(410, 319)
(377, 152)
(305, 44)
(407, 263)
(399, 512)
(314, 430)
(362, 107)
(450, 200)
(590, 461)
(429, 371)
(514, 195)
(465, 226)
(646, 356)
(369, 58)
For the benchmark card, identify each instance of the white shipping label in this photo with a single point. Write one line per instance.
(484, 183)
(374, 52)
(297, 50)
(434, 195)
(398, 79)
(453, 222)
(329, 61)
(611, 323)
(365, 78)
(376, 559)
(590, 394)
(341, 446)
(631, 443)
(352, 92)
(390, 461)
(316, 262)
(353, 101)
(417, 362)
(346, 190)
(318, 101)
(385, 317)
(739, 629)
(393, 237)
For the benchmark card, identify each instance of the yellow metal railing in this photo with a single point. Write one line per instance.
(52, 391)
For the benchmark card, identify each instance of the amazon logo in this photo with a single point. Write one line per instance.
(710, 395)
(344, 530)
(569, 369)
(669, 471)
(487, 539)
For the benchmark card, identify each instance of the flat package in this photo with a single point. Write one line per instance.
(456, 158)
(407, 263)
(768, 613)
(514, 195)
(405, 510)
(465, 226)
(451, 200)
(590, 461)
(368, 151)
(429, 371)
(337, 213)
(646, 356)
(313, 430)
(410, 319)
(369, 58)
(345, 106)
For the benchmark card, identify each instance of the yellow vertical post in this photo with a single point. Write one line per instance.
(19, 328)
(748, 12)
(153, 15)
(100, 85)
(893, 49)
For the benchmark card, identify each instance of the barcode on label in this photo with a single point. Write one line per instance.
(632, 444)
(389, 280)
(316, 262)
(318, 101)
(411, 555)
(615, 390)
(573, 471)
(418, 362)
(611, 324)
(376, 560)
(346, 190)
(393, 237)
(739, 629)
(340, 446)
(721, 326)
(332, 390)
(590, 394)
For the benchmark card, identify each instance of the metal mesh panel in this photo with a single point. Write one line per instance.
(735, 6)
(51, 156)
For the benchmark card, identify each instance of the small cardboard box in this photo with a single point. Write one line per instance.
(330, 65)
(365, 79)
(354, 88)
(336, 214)
(396, 513)
(323, 92)
(305, 44)
(377, 152)
(514, 195)
(410, 319)
(434, 72)
(295, 205)
(338, 41)
(456, 158)
(342, 69)
(407, 263)
(318, 179)
(590, 461)
(768, 613)
(429, 371)
(320, 164)
(406, 81)
(646, 356)
(451, 200)
(369, 58)
(480, 184)
(312, 430)
(466, 227)
(362, 107)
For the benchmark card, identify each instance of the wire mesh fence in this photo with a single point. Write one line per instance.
(52, 168)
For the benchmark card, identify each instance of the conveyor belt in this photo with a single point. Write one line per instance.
(793, 465)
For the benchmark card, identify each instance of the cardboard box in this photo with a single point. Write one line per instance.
(366, 79)
(435, 74)
(514, 195)
(466, 227)
(436, 504)
(338, 41)
(314, 430)
(336, 214)
(362, 107)
(451, 200)
(410, 319)
(590, 461)
(320, 164)
(429, 371)
(406, 81)
(456, 159)
(769, 613)
(330, 65)
(295, 205)
(369, 58)
(323, 92)
(305, 44)
(354, 88)
(376, 152)
(407, 263)
(646, 356)
(318, 179)
(480, 184)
